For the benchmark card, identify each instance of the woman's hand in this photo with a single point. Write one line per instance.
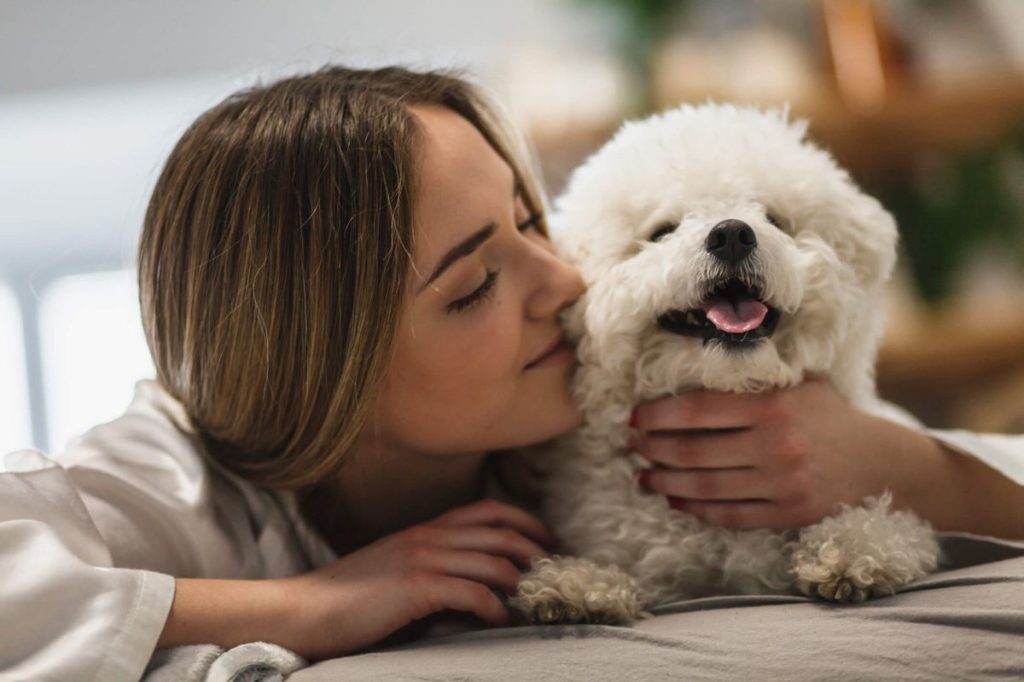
(453, 562)
(778, 459)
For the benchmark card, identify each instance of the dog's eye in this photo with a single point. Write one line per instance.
(773, 220)
(662, 231)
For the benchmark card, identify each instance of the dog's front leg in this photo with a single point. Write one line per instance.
(576, 590)
(863, 552)
(590, 508)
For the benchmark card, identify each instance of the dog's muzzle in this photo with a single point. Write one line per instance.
(733, 314)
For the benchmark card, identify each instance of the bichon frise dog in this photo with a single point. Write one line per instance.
(723, 251)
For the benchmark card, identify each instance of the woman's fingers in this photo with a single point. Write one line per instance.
(459, 594)
(738, 515)
(493, 571)
(711, 484)
(701, 410)
(701, 450)
(494, 513)
(499, 541)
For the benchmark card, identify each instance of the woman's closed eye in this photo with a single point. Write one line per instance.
(486, 288)
(481, 293)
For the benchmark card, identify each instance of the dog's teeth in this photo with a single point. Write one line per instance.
(691, 318)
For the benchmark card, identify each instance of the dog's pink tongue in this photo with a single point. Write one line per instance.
(738, 317)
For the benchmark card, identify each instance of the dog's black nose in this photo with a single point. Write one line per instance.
(731, 241)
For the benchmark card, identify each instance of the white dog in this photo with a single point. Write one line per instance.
(722, 251)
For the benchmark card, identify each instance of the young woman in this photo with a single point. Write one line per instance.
(350, 297)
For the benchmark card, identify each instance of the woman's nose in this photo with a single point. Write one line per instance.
(558, 286)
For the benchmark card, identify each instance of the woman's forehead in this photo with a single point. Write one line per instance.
(453, 154)
(462, 183)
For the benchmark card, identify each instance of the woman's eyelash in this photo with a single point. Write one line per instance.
(530, 222)
(482, 292)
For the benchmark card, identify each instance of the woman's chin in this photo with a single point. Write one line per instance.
(559, 421)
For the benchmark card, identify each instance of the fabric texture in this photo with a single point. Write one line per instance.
(1002, 452)
(68, 612)
(253, 662)
(963, 623)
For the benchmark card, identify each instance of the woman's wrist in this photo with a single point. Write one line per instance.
(920, 473)
(951, 490)
(226, 613)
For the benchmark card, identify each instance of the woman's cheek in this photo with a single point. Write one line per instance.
(486, 325)
(502, 335)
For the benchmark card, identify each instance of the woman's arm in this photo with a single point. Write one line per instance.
(788, 458)
(224, 612)
(74, 614)
(952, 489)
(458, 561)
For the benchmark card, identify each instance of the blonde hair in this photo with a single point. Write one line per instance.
(274, 255)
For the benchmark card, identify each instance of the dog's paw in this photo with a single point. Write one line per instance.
(863, 552)
(842, 589)
(569, 591)
(554, 610)
(831, 574)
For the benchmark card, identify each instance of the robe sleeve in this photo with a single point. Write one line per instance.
(68, 613)
(90, 540)
(1002, 452)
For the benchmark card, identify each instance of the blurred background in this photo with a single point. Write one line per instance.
(923, 100)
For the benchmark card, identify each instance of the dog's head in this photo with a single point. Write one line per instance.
(721, 249)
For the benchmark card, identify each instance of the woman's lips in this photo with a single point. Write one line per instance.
(558, 352)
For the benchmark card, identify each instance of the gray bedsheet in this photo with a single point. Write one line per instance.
(963, 623)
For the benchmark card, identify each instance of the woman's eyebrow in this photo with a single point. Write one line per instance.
(461, 250)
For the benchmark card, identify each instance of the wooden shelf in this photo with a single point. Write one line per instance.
(918, 121)
(959, 375)
(949, 353)
(913, 121)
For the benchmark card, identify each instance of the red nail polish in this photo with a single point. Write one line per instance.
(632, 420)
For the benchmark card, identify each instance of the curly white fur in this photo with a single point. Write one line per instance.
(822, 268)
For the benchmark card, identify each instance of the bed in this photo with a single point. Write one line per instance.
(963, 623)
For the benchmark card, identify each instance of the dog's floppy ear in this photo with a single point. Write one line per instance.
(874, 255)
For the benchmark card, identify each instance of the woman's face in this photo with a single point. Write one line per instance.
(479, 362)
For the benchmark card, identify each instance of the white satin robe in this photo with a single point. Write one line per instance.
(88, 546)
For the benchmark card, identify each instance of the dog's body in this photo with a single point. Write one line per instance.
(722, 251)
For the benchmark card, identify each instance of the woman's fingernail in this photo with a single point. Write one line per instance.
(641, 478)
(632, 420)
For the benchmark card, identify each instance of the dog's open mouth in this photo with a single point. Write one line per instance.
(733, 313)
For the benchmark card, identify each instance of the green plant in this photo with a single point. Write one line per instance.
(949, 209)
